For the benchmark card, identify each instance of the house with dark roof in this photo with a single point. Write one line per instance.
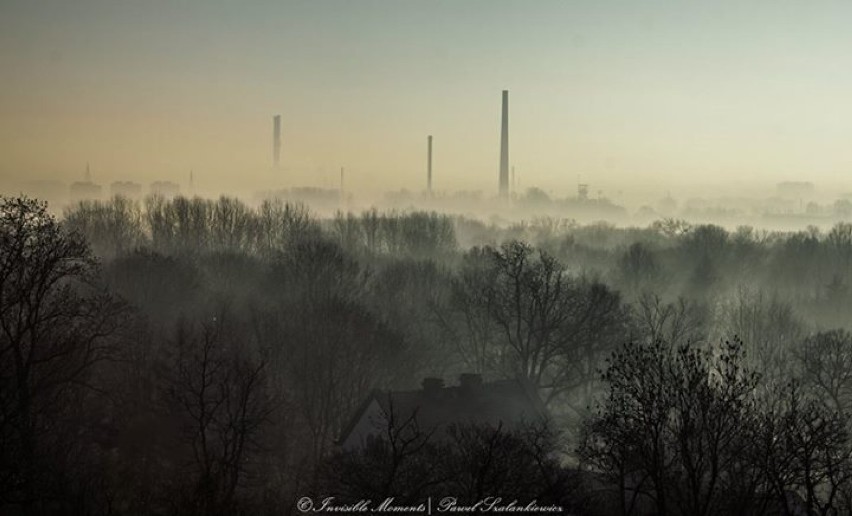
(506, 403)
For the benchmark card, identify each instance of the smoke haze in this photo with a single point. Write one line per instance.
(637, 99)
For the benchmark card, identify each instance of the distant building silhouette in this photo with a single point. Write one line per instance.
(583, 192)
(504, 148)
(165, 188)
(276, 140)
(85, 190)
(127, 189)
(795, 189)
(429, 163)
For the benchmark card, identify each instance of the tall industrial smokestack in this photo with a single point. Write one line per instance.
(429, 164)
(276, 140)
(504, 148)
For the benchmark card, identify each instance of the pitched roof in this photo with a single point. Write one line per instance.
(507, 402)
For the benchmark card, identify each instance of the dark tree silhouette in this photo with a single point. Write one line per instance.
(112, 228)
(826, 360)
(467, 321)
(679, 322)
(808, 452)
(56, 325)
(219, 394)
(402, 461)
(638, 266)
(530, 300)
(465, 462)
(674, 426)
(519, 312)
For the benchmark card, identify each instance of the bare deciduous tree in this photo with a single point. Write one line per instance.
(400, 461)
(56, 325)
(520, 314)
(112, 228)
(674, 425)
(219, 392)
(467, 323)
(826, 360)
(679, 322)
(769, 327)
(808, 452)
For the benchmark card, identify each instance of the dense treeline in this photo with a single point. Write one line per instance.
(194, 356)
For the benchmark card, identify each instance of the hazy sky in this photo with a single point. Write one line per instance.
(615, 92)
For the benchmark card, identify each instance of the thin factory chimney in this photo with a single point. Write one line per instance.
(276, 140)
(504, 148)
(429, 164)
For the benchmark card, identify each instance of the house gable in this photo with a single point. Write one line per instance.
(506, 403)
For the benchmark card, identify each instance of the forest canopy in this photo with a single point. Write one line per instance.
(197, 356)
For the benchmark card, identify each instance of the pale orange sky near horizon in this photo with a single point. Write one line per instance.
(615, 93)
